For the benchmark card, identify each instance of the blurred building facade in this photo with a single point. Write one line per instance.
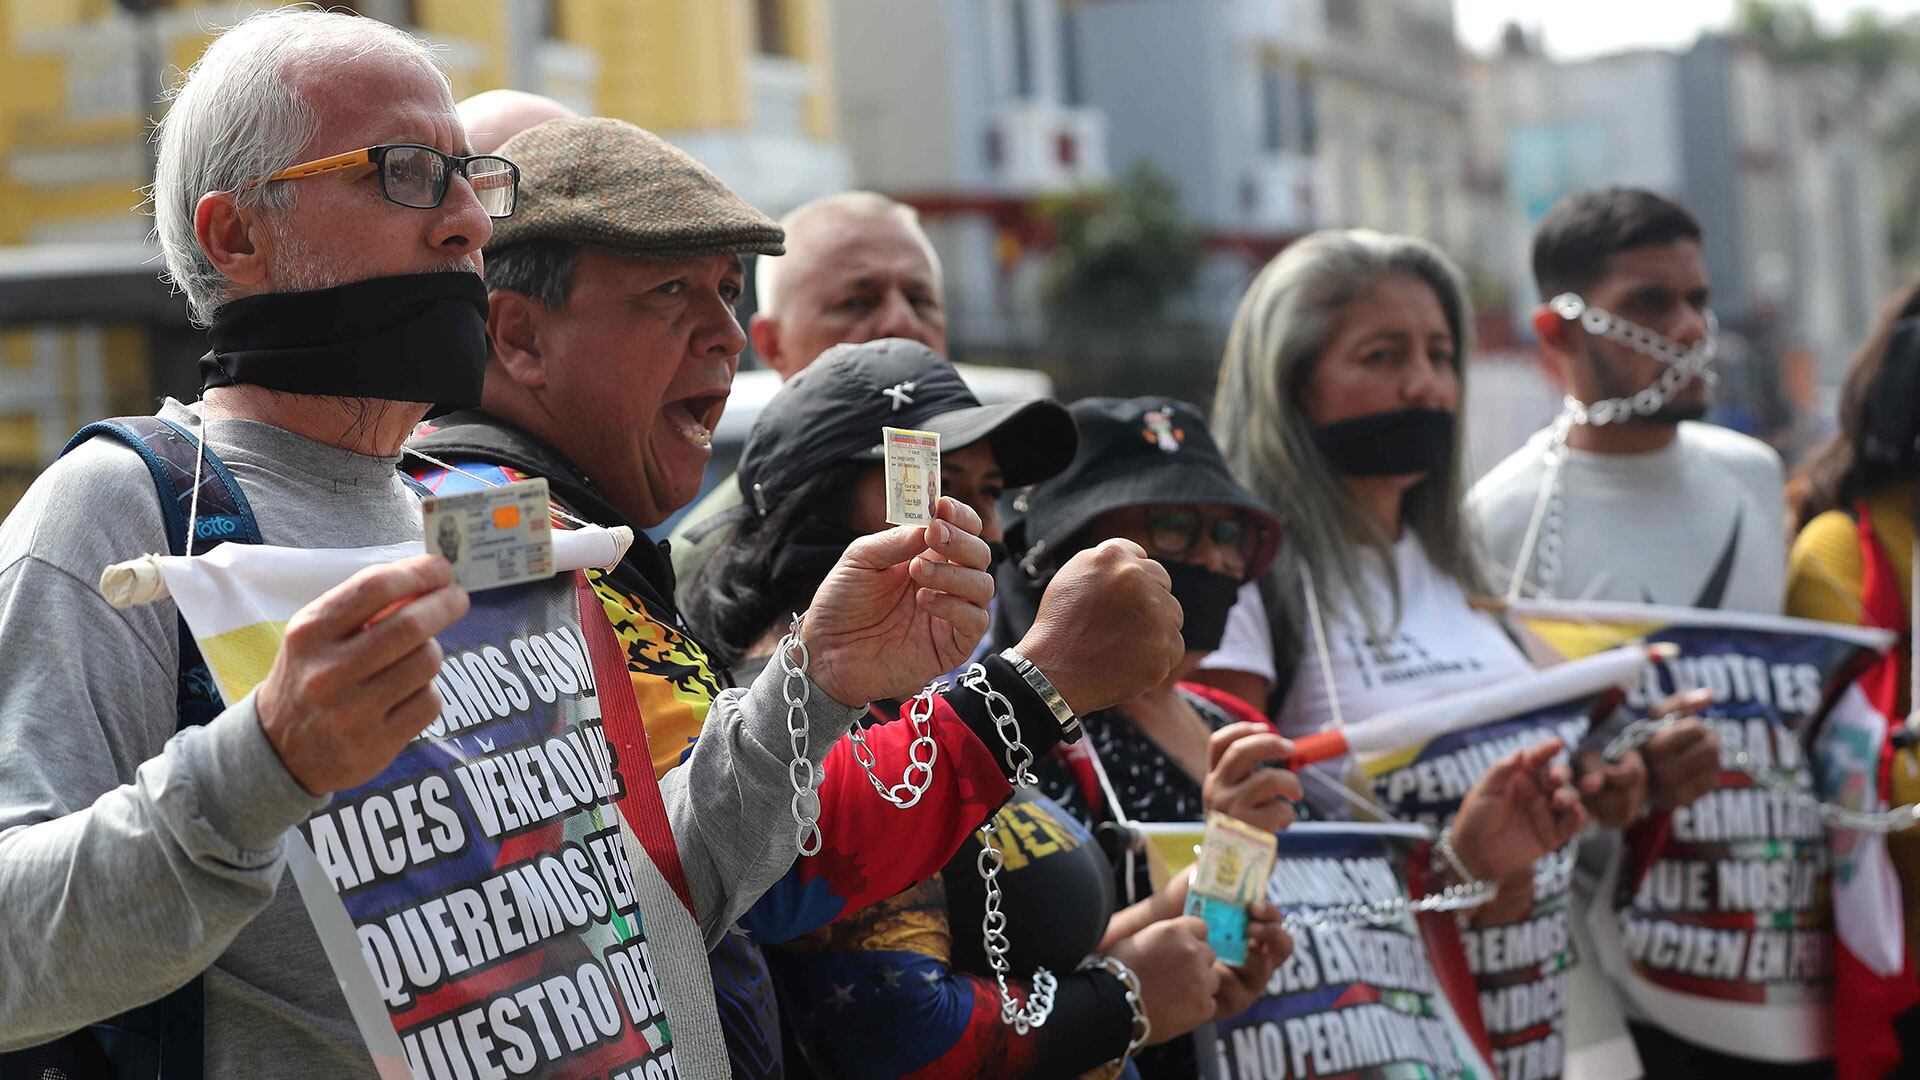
(969, 111)
(1271, 117)
(1780, 165)
(86, 330)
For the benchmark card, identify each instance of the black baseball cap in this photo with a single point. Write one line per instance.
(1133, 452)
(833, 410)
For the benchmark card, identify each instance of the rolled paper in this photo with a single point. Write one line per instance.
(142, 581)
(136, 581)
(595, 547)
(1417, 724)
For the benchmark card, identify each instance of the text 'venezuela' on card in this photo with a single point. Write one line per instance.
(495, 536)
(913, 475)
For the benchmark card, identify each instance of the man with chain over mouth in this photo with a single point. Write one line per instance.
(1628, 496)
(1648, 504)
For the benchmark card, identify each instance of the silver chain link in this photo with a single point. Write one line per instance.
(1683, 366)
(1019, 758)
(921, 753)
(993, 924)
(993, 929)
(1461, 896)
(1779, 781)
(793, 657)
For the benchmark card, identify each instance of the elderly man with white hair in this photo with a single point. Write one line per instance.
(318, 203)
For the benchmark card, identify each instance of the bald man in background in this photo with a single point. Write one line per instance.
(858, 268)
(491, 117)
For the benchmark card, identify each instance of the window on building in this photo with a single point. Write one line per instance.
(1066, 149)
(1307, 121)
(1022, 49)
(1344, 17)
(1070, 88)
(1273, 107)
(770, 27)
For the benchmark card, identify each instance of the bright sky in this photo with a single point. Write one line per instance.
(1601, 26)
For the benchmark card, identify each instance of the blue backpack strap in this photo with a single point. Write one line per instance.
(165, 1040)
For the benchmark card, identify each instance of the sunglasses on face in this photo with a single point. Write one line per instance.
(417, 176)
(1176, 531)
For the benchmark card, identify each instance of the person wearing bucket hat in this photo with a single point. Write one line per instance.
(1148, 470)
(614, 343)
(811, 480)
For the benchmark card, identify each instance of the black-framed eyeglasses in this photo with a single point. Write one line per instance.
(417, 176)
(1175, 531)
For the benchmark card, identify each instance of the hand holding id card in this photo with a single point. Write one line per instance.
(495, 536)
(1235, 861)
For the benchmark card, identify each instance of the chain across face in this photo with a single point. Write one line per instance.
(1683, 364)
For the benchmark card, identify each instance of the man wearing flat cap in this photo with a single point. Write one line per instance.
(614, 347)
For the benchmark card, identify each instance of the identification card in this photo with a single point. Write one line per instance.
(1226, 926)
(1235, 861)
(913, 475)
(495, 536)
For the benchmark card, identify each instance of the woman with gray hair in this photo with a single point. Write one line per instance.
(1338, 394)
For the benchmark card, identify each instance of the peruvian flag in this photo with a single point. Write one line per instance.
(1873, 977)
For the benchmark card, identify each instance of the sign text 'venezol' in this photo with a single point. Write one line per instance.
(485, 906)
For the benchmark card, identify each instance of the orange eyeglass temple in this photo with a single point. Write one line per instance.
(326, 164)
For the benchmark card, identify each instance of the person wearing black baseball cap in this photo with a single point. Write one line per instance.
(811, 481)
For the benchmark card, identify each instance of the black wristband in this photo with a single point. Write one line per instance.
(1092, 1024)
(1038, 728)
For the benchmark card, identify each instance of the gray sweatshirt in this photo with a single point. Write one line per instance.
(133, 859)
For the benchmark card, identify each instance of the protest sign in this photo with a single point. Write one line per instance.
(491, 901)
(1386, 999)
(1721, 920)
(1522, 967)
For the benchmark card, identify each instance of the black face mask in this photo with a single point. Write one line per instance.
(409, 337)
(1205, 598)
(1397, 443)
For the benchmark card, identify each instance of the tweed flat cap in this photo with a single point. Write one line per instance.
(605, 183)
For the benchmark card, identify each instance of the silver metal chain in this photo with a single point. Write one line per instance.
(796, 689)
(1779, 781)
(1019, 758)
(1142, 1029)
(1544, 541)
(1022, 1017)
(993, 922)
(1464, 895)
(921, 753)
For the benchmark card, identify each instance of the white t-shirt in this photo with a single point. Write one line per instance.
(1700, 523)
(1440, 645)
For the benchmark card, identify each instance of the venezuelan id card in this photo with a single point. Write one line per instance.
(1235, 861)
(495, 536)
(913, 475)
